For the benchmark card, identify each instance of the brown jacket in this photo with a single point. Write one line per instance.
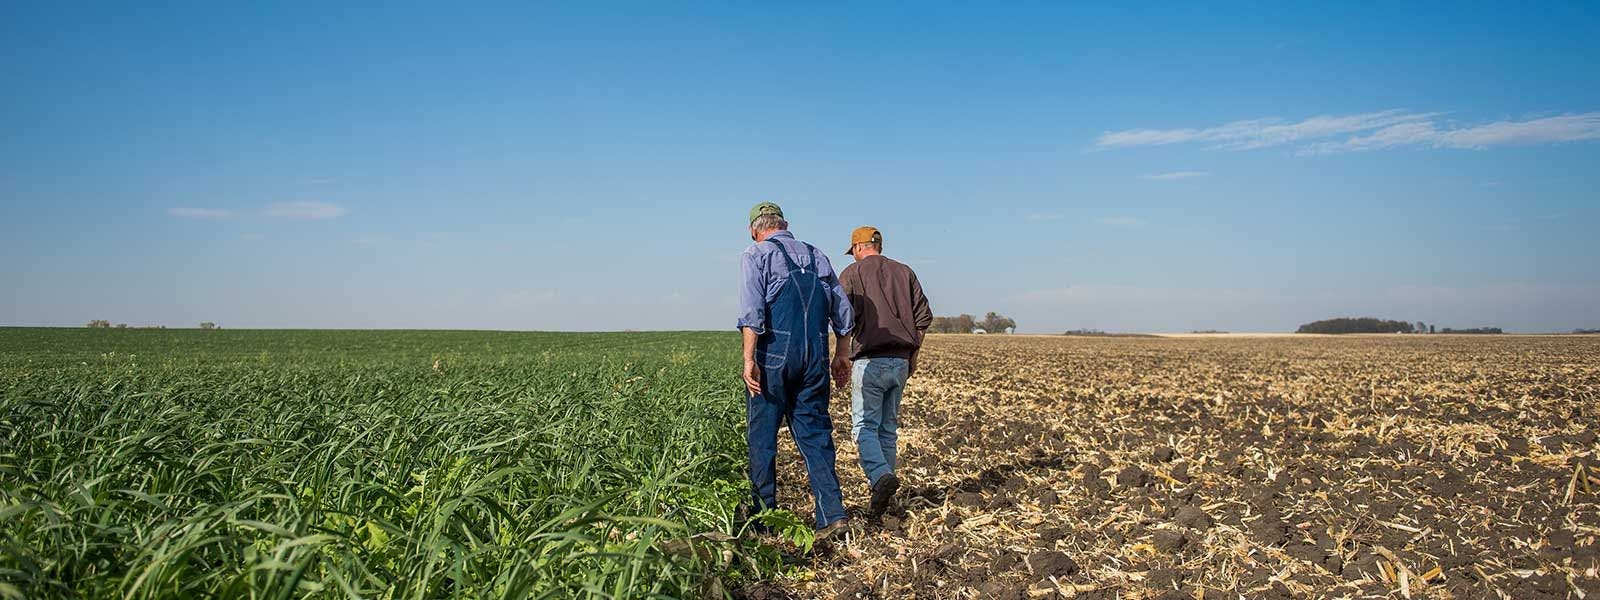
(891, 311)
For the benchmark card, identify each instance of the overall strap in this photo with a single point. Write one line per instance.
(785, 252)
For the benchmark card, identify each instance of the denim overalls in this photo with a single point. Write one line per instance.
(793, 357)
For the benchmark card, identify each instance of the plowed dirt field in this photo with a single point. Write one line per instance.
(1299, 467)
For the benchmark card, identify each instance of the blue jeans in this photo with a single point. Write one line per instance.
(802, 401)
(875, 390)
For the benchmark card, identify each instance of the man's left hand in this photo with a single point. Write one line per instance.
(752, 377)
(841, 372)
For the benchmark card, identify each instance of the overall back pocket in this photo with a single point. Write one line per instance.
(774, 348)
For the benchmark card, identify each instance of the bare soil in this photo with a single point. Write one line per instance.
(1317, 467)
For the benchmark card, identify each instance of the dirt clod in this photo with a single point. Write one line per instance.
(1049, 498)
(1163, 579)
(1168, 541)
(1132, 477)
(1180, 472)
(1052, 564)
(1268, 530)
(1305, 552)
(1096, 486)
(1194, 518)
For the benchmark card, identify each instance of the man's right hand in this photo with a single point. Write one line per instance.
(752, 377)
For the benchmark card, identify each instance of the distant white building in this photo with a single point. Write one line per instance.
(978, 330)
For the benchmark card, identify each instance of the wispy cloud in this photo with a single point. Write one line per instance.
(200, 213)
(1175, 175)
(1532, 222)
(1260, 133)
(1045, 217)
(1364, 131)
(1120, 221)
(306, 210)
(1549, 130)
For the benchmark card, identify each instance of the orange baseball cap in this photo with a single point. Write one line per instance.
(864, 233)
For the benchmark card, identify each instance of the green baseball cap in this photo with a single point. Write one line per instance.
(765, 208)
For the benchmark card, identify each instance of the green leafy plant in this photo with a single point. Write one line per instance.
(384, 464)
(788, 526)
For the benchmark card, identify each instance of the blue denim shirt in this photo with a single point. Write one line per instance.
(764, 273)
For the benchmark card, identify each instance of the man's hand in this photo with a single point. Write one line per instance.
(841, 372)
(841, 362)
(911, 365)
(752, 377)
(752, 372)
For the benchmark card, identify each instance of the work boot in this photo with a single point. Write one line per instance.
(833, 530)
(882, 490)
(746, 514)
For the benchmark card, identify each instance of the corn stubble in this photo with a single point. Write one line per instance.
(1304, 467)
(158, 464)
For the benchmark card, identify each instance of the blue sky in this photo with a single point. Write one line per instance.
(590, 166)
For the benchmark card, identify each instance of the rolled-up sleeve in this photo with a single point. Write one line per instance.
(752, 294)
(840, 313)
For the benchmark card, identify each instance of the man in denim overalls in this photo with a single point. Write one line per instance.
(789, 296)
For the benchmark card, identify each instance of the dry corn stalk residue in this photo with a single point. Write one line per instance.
(1315, 467)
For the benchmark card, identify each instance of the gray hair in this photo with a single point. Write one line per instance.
(768, 223)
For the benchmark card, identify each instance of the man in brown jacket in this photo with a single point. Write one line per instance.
(879, 354)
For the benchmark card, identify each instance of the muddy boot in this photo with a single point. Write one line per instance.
(833, 531)
(745, 515)
(882, 491)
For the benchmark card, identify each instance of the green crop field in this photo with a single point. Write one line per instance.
(378, 464)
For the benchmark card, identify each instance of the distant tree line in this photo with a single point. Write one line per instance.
(1371, 325)
(991, 323)
(956, 324)
(994, 323)
(1099, 333)
(104, 324)
(1361, 325)
(1585, 331)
